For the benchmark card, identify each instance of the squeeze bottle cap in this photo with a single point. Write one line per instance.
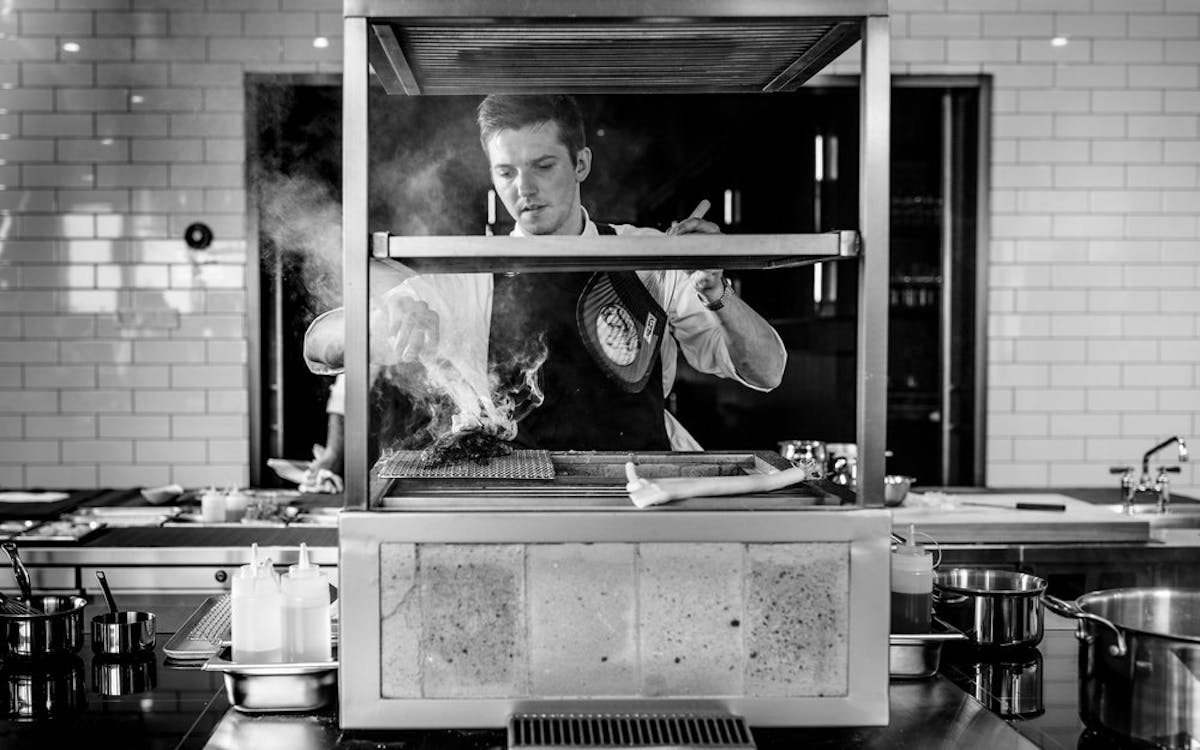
(304, 569)
(250, 569)
(910, 546)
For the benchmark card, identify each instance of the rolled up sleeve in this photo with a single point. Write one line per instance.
(700, 333)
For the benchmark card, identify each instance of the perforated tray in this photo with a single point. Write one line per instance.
(520, 464)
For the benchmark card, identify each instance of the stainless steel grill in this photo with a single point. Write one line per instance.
(532, 731)
(520, 464)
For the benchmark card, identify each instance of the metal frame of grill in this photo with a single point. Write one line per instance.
(374, 32)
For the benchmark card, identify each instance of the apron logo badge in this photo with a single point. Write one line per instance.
(651, 323)
(617, 334)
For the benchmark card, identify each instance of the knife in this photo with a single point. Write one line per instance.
(1055, 507)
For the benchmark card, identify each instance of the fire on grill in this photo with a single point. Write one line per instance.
(478, 446)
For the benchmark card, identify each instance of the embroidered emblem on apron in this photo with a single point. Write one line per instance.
(617, 334)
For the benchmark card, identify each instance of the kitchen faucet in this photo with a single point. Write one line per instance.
(1160, 484)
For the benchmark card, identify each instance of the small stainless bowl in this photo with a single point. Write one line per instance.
(123, 633)
(895, 489)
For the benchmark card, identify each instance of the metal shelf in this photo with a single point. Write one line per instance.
(498, 254)
(581, 46)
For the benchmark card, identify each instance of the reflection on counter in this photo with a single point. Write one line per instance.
(275, 732)
(52, 687)
(1008, 682)
(115, 676)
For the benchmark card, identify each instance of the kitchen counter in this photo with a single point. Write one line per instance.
(187, 708)
(199, 557)
(965, 706)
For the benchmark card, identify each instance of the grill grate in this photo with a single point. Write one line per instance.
(520, 464)
(534, 731)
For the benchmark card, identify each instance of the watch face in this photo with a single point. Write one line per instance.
(617, 334)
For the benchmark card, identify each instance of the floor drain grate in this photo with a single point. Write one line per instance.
(684, 730)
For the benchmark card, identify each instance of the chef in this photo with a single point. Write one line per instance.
(476, 326)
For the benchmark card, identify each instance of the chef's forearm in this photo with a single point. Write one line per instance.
(753, 346)
(325, 343)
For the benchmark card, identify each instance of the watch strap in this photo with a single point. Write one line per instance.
(717, 304)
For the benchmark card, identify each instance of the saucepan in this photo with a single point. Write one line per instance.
(38, 626)
(993, 608)
(1139, 654)
(121, 633)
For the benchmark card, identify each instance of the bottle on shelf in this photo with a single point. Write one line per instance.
(212, 506)
(235, 504)
(912, 586)
(257, 612)
(306, 622)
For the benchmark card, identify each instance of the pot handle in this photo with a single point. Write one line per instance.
(19, 573)
(1072, 610)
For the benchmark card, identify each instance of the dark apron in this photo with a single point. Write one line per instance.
(583, 408)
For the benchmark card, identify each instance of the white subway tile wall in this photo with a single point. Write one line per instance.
(123, 353)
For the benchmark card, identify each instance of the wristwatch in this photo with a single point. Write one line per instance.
(720, 301)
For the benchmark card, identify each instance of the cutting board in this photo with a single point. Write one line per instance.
(1080, 522)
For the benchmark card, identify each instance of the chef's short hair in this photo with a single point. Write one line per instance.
(513, 111)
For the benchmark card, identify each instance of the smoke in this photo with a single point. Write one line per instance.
(428, 176)
(432, 191)
(303, 221)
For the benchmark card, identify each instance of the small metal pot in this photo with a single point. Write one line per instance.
(1139, 654)
(58, 630)
(123, 633)
(993, 608)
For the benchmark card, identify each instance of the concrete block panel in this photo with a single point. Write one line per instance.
(582, 619)
(797, 619)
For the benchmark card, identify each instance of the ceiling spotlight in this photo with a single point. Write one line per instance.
(137, 99)
(71, 47)
(1059, 41)
(321, 42)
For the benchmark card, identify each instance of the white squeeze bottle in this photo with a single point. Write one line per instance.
(257, 613)
(912, 586)
(306, 631)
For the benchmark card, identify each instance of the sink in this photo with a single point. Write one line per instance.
(1182, 515)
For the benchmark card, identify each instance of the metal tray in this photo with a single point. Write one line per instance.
(125, 516)
(10, 529)
(61, 531)
(913, 656)
(277, 687)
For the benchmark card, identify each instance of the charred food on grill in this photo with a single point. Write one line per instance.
(478, 446)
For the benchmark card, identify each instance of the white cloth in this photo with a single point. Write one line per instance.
(463, 303)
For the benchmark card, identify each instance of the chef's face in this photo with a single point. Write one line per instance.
(537, 180)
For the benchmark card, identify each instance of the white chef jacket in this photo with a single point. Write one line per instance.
(463, 303)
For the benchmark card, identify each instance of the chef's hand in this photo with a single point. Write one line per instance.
(403, 329)
(693, 225)
(321, 477)
(709, 284)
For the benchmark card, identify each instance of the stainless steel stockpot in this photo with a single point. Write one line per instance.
(993, 608)
(1139, 654)
(56, 629)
